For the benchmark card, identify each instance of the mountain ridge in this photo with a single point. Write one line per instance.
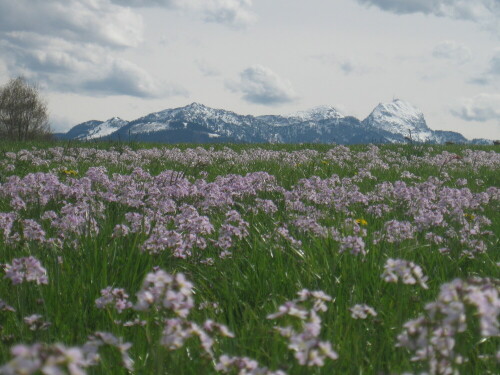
(394, 122)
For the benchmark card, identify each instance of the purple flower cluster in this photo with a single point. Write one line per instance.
(162, 293)
(305, 343)
(56, 359)
(408, 272)
(5, 307)
(176, 331)
(432, 337)
(395, 231)
(189, 232)
(354, 244)
(36, 322)
(176, 213)
(233, 227)
(26, 269)
(114, 296)
(163, 290)
(341, 156)
(361, 311)
(243, 366)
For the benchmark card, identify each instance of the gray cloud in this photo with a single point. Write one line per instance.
(229, 12)
(452, 51)
(484, 12)
(261, 85)
(482, 108)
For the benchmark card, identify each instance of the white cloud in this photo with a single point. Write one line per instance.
(453, 51)
(72, 46)
(484, 12)
(261, 85)
(121, 77)
(84, 68)
(59, 123)
(482, 108)
(74, 20)
(230, 12)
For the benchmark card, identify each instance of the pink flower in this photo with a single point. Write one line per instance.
(26, 269)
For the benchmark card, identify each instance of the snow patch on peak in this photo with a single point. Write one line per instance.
(103, 129)
(402, 118)
(149, 127)
(323, 112)
(398, 109)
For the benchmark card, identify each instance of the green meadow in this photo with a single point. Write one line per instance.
(250, 226)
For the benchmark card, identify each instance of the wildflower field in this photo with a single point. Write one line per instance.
(118, 259)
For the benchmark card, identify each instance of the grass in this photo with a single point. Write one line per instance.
(263, 272)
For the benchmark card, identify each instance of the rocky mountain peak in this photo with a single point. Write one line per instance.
(400, 117)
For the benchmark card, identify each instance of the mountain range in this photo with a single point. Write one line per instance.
(394, 122)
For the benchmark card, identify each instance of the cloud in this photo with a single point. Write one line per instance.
(482, 108)
(74, 20)
(121, 77)
(402, 7)
(261, 85)
(346, 65)
(60, 124)
(453, 51)
(484, 12)
(71, 46)
(495, 64)
(85, 68)
(235, 13)
(491, 74)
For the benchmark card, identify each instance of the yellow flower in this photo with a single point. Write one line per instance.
(324, 162)
(70, 172)
(362, 221)
(469, 217)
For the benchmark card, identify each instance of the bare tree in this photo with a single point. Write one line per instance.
(23, 113)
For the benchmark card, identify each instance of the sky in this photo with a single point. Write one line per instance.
(96, 59)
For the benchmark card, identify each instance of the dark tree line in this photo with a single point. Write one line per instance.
(23, 113)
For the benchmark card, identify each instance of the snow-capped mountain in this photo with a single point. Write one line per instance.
(194, 121)
(94, 129)
(103, 129)
(393, 122)
(400, 117)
